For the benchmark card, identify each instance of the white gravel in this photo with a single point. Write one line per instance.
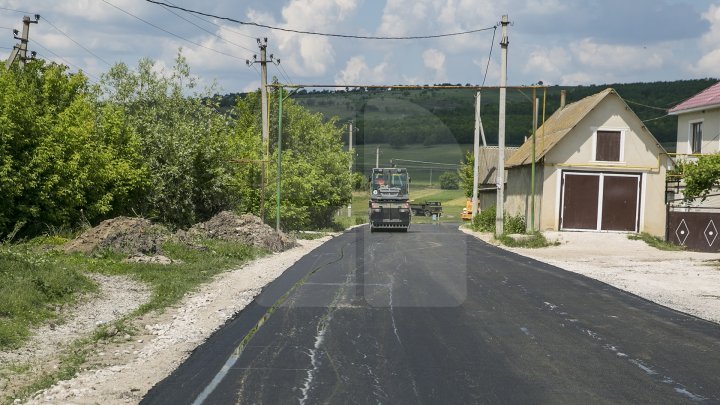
(122, 371)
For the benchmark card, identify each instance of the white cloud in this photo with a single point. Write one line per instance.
(619, 57)
(434, 59)
(575, 79)
(307, 55)
(544, 7)
(710, 60)
(548, 63)
(357, 71)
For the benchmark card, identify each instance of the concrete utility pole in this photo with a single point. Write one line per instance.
(20, 50)
(377, 157)
(500, 204)
(476, 154)
(265, 118)
(350, 149)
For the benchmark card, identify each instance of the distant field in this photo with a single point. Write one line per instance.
(453, 201)
(440, 156)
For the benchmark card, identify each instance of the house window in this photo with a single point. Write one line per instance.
(608, 146)
(696, 137)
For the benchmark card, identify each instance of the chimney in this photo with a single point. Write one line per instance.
(563, 96)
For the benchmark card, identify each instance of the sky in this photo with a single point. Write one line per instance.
(559, 42)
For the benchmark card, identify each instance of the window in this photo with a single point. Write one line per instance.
(608, 146)
(696, 137)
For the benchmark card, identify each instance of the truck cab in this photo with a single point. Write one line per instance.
(389, 205)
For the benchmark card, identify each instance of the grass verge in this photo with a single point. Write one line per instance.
(655, 242)
(531, 241)
(38, 280)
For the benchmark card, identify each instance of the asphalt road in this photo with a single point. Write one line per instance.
(436, 316)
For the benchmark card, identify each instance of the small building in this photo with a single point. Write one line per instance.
(699, 123)
(597, 168)
(695, 223)
(487, 174)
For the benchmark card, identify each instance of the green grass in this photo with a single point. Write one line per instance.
(655, 242)
(37, 279)
(531, 241)
(32, 285)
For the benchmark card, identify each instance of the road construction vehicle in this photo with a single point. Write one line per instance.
(389, 206)
(466, 214)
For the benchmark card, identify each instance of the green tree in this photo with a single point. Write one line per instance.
(191, 152)
(315, 179)
(63, 158)
(701, 177)
(449, 181)
(465, 174)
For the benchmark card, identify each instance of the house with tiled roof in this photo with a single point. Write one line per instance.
(695, 223)
(699, 122)
(597, 168)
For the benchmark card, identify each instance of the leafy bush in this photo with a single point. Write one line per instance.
(360, 183)
(485, 222)
(449, 181)
(532, 241)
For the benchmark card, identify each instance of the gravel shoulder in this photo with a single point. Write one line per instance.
(685, 281)
(122, 370)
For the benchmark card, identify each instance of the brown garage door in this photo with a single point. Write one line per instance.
(611, 197)
(580, 201)
(619, 203)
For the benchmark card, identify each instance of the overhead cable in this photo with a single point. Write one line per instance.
(325, 34)
(171, 33)
(77, 43)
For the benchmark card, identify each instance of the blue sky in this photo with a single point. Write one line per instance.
(556, 41)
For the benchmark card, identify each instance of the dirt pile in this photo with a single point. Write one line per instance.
(247, 229)
(121, 234)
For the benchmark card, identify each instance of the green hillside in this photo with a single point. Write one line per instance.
(429, 116)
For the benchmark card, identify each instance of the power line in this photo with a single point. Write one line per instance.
(492, 44)
(77, 43)
(171, 33)
(209, 32)
(429, 163)
(658, 118)
(65, 60)
(325, 34)
(218, 25)
(645, 105)
(16, 11)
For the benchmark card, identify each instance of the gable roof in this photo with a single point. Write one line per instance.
(707, 98)
(556, 127)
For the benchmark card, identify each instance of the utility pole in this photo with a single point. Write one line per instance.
(500, 204)
(20, 50)
(377, 157)
(262, 44)
(476, 155)
(532, 168)
(350, 149)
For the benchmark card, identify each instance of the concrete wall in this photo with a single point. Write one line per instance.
(518, 197)
(576, 151)
(711, 131)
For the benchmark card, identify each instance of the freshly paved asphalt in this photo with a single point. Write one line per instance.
(436, 316)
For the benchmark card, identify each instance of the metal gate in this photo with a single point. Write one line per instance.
(600, 201)
(694, 228)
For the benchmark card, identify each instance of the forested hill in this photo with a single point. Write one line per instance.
(432, 116)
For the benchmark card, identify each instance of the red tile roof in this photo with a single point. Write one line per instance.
(709, 97)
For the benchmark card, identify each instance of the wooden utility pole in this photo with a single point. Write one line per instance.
(20, 50)
(500, 203)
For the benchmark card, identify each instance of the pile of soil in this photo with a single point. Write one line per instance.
(122, 234)
(247, 229)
